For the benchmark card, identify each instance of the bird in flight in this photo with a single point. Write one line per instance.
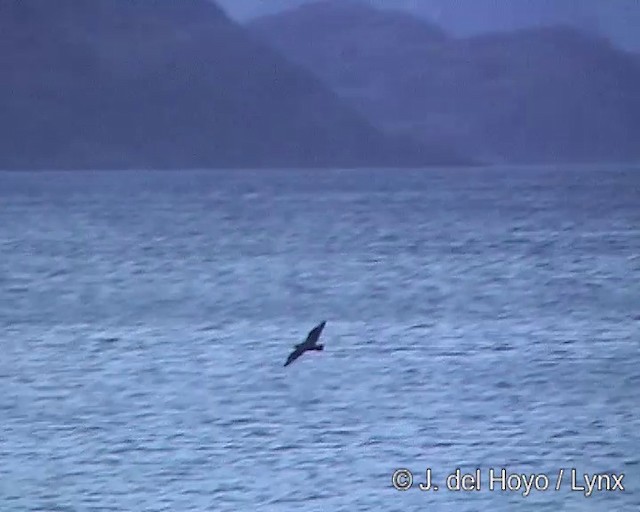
(311, 343)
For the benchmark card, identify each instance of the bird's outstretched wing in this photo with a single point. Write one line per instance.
(314, 334)
(299, 350)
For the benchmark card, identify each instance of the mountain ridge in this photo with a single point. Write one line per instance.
(617, 20)
(157, 84)
(534, 95)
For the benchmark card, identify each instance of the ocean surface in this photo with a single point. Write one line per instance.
(476, 319)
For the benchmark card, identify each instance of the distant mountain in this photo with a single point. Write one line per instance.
(529, 96)
(617, 20)
(348, 38)
(167, 84)
(349, 18)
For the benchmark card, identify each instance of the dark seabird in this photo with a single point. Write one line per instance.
(311, 343)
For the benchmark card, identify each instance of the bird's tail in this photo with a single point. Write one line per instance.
(319, 347)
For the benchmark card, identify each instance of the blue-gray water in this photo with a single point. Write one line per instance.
(476, 319)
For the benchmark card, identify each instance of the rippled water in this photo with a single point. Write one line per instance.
(475, 319)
